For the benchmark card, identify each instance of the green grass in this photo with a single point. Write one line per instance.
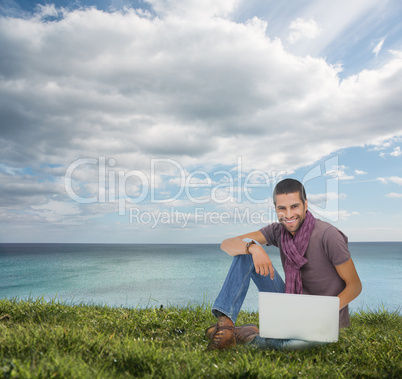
(41, 339)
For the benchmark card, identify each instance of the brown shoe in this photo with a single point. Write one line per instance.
(243, 334)
(223, 337)
(246, 333)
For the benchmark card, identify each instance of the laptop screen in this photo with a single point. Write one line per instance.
(301, 317)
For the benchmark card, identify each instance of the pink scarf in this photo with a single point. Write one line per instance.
(294, 249)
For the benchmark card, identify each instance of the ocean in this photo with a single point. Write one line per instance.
(150, 275)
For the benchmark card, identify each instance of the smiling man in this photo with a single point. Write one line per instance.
(315, 258)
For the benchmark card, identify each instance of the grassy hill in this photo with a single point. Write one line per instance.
(41, 339)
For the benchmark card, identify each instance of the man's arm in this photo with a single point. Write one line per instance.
(348, 273)
(236, 246)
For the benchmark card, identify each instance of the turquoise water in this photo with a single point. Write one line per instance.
(150, 275)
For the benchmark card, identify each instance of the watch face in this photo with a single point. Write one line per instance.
(248, 245)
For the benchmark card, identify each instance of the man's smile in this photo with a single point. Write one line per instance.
(291, 224)
(289, 221)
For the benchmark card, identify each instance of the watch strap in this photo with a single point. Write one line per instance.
(248, 244)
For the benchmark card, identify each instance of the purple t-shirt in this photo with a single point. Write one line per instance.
(328, 247)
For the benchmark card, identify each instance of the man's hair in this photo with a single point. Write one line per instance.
(287, 186)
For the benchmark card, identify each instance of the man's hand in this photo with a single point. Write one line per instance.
(262, 262)
(236, 246)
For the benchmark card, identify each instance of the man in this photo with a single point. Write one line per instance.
(315, 258)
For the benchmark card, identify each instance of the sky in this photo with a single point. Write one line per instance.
(171, 121)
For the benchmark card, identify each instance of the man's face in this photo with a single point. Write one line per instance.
(291, 211)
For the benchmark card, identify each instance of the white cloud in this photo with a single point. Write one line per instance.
(133, 86)
(336, 20)
(193, 8)
(392, 179)
(397, 152)
(339, 172)
(396, 179)
(56, 209)
(360, 172)
(325, 197)
(394, 195)
(382, 146)
(334, 215)
(378, 47)
(301, 29)
(386, 145)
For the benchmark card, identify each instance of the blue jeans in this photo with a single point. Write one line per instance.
(234, 291)
(237, 283)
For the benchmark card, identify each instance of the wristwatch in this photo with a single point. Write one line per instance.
(248, 244)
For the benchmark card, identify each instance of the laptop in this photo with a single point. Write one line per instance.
(301, 317)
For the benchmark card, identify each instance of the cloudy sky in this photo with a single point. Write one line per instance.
(171, 120)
